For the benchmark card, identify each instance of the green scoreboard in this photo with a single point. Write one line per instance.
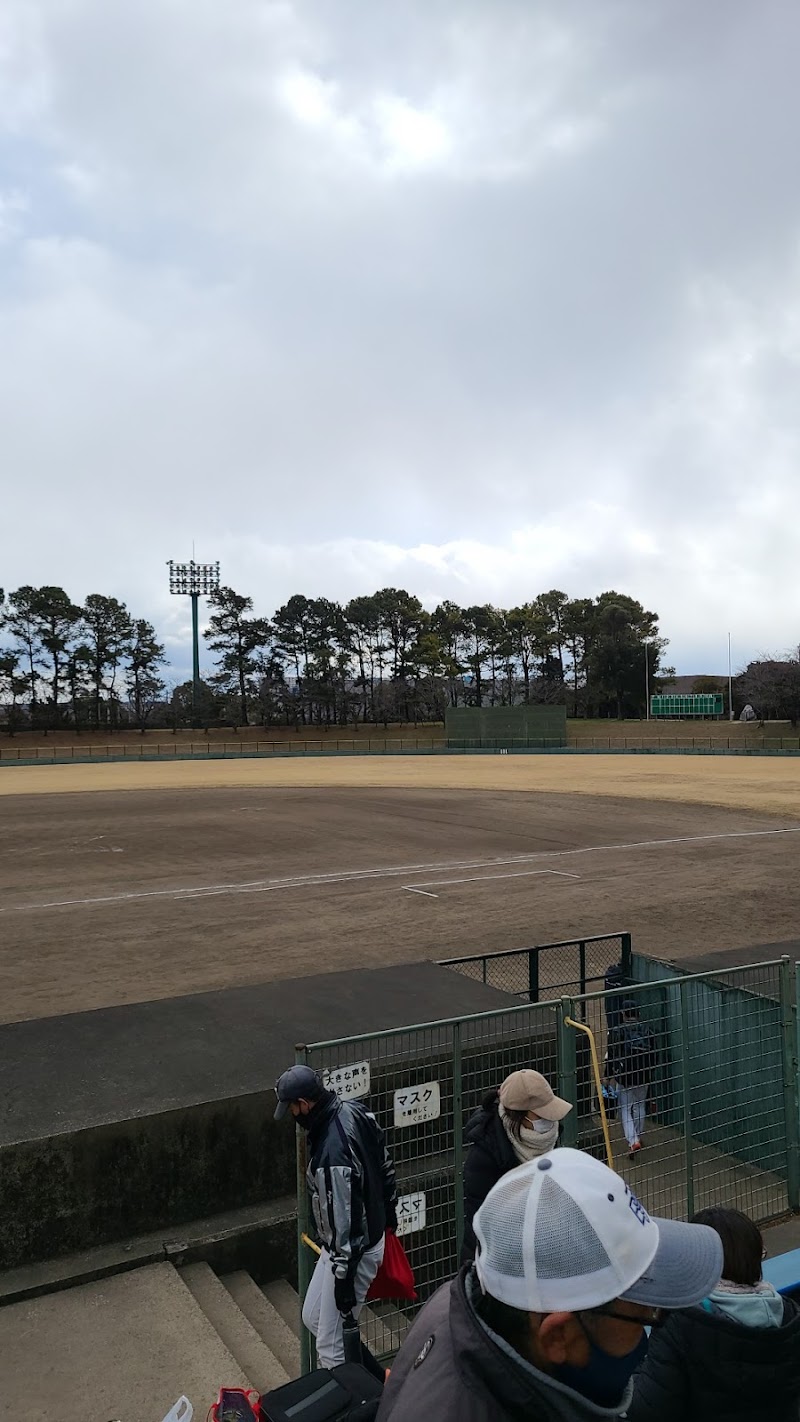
(675, 707)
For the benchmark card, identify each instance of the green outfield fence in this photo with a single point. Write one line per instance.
(109, 751)
(725, 1098)
(476, 727)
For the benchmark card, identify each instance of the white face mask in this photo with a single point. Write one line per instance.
(543, 1126)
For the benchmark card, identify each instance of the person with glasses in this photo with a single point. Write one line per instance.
(736, 1355)
(548, 1324)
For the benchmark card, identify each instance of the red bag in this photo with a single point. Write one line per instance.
(395, 1278)
(235, 1405)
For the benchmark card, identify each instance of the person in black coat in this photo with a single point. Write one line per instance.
(515, 1123)
(734, 1358)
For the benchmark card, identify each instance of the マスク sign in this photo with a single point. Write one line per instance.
(413, 1104)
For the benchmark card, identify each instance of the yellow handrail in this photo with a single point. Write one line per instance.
(581, 1027)
(307, 1240)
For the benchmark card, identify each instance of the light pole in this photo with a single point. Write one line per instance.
(730, 682)
(647, 679)
(197, 580)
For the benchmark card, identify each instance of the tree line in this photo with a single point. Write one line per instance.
(384, 657)
(92, 666)
(377, 658)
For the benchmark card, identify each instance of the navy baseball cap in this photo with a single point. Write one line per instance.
(296, 1083)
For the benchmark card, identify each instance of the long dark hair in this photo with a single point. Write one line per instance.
(742, 1243)
(515, 1119)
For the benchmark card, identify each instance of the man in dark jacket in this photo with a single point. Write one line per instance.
(548, 1324)
(353, 1199)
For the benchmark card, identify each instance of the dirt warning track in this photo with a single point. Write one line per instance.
(742, 782)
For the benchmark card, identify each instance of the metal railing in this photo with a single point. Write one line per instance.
(722, 1125)
(179, 749)
(547, 970)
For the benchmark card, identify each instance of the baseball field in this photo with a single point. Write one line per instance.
(126, 882)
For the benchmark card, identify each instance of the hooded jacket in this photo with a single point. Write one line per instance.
(350, 1179)
(489, 1156)
(453, 1368)
(736, 1357)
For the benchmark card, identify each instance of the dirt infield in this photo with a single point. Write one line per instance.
(208, 875)
(765, 783)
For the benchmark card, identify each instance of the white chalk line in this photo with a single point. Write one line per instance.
(486, 878)
(320, 880)
(292, 881)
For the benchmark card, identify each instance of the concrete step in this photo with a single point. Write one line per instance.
(286, 1301)
(382, 1326)
(224, 1241)
(237, 1333)
(281, 1340)
(127, 1346)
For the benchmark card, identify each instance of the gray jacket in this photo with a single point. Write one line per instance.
(350, 1179)
(454, 1369)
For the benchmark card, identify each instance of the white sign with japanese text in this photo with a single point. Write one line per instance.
(411, 1212)
(349, 1082)
(413, 1104)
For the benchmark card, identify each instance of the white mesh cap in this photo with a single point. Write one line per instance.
(564, 1232)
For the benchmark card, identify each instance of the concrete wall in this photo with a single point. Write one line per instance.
(94, 1186)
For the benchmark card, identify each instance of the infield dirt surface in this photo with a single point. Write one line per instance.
(120, 883)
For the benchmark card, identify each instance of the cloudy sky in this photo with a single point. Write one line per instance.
(474, 297)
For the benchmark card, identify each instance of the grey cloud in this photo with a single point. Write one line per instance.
(480, 298)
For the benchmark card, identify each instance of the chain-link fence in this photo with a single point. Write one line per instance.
(423, 1083)
(548, 970)
(718, 1122)
(85, 752)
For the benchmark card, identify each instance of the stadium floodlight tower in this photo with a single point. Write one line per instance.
(195, 580)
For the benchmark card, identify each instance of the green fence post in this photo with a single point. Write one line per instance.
(626, 955)
(533, 974)
(791, 1096)
(304, 1269)
(458, 1139)
(568, 1070)
(688, 1149)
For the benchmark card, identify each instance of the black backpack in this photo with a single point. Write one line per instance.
(348, 1393)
